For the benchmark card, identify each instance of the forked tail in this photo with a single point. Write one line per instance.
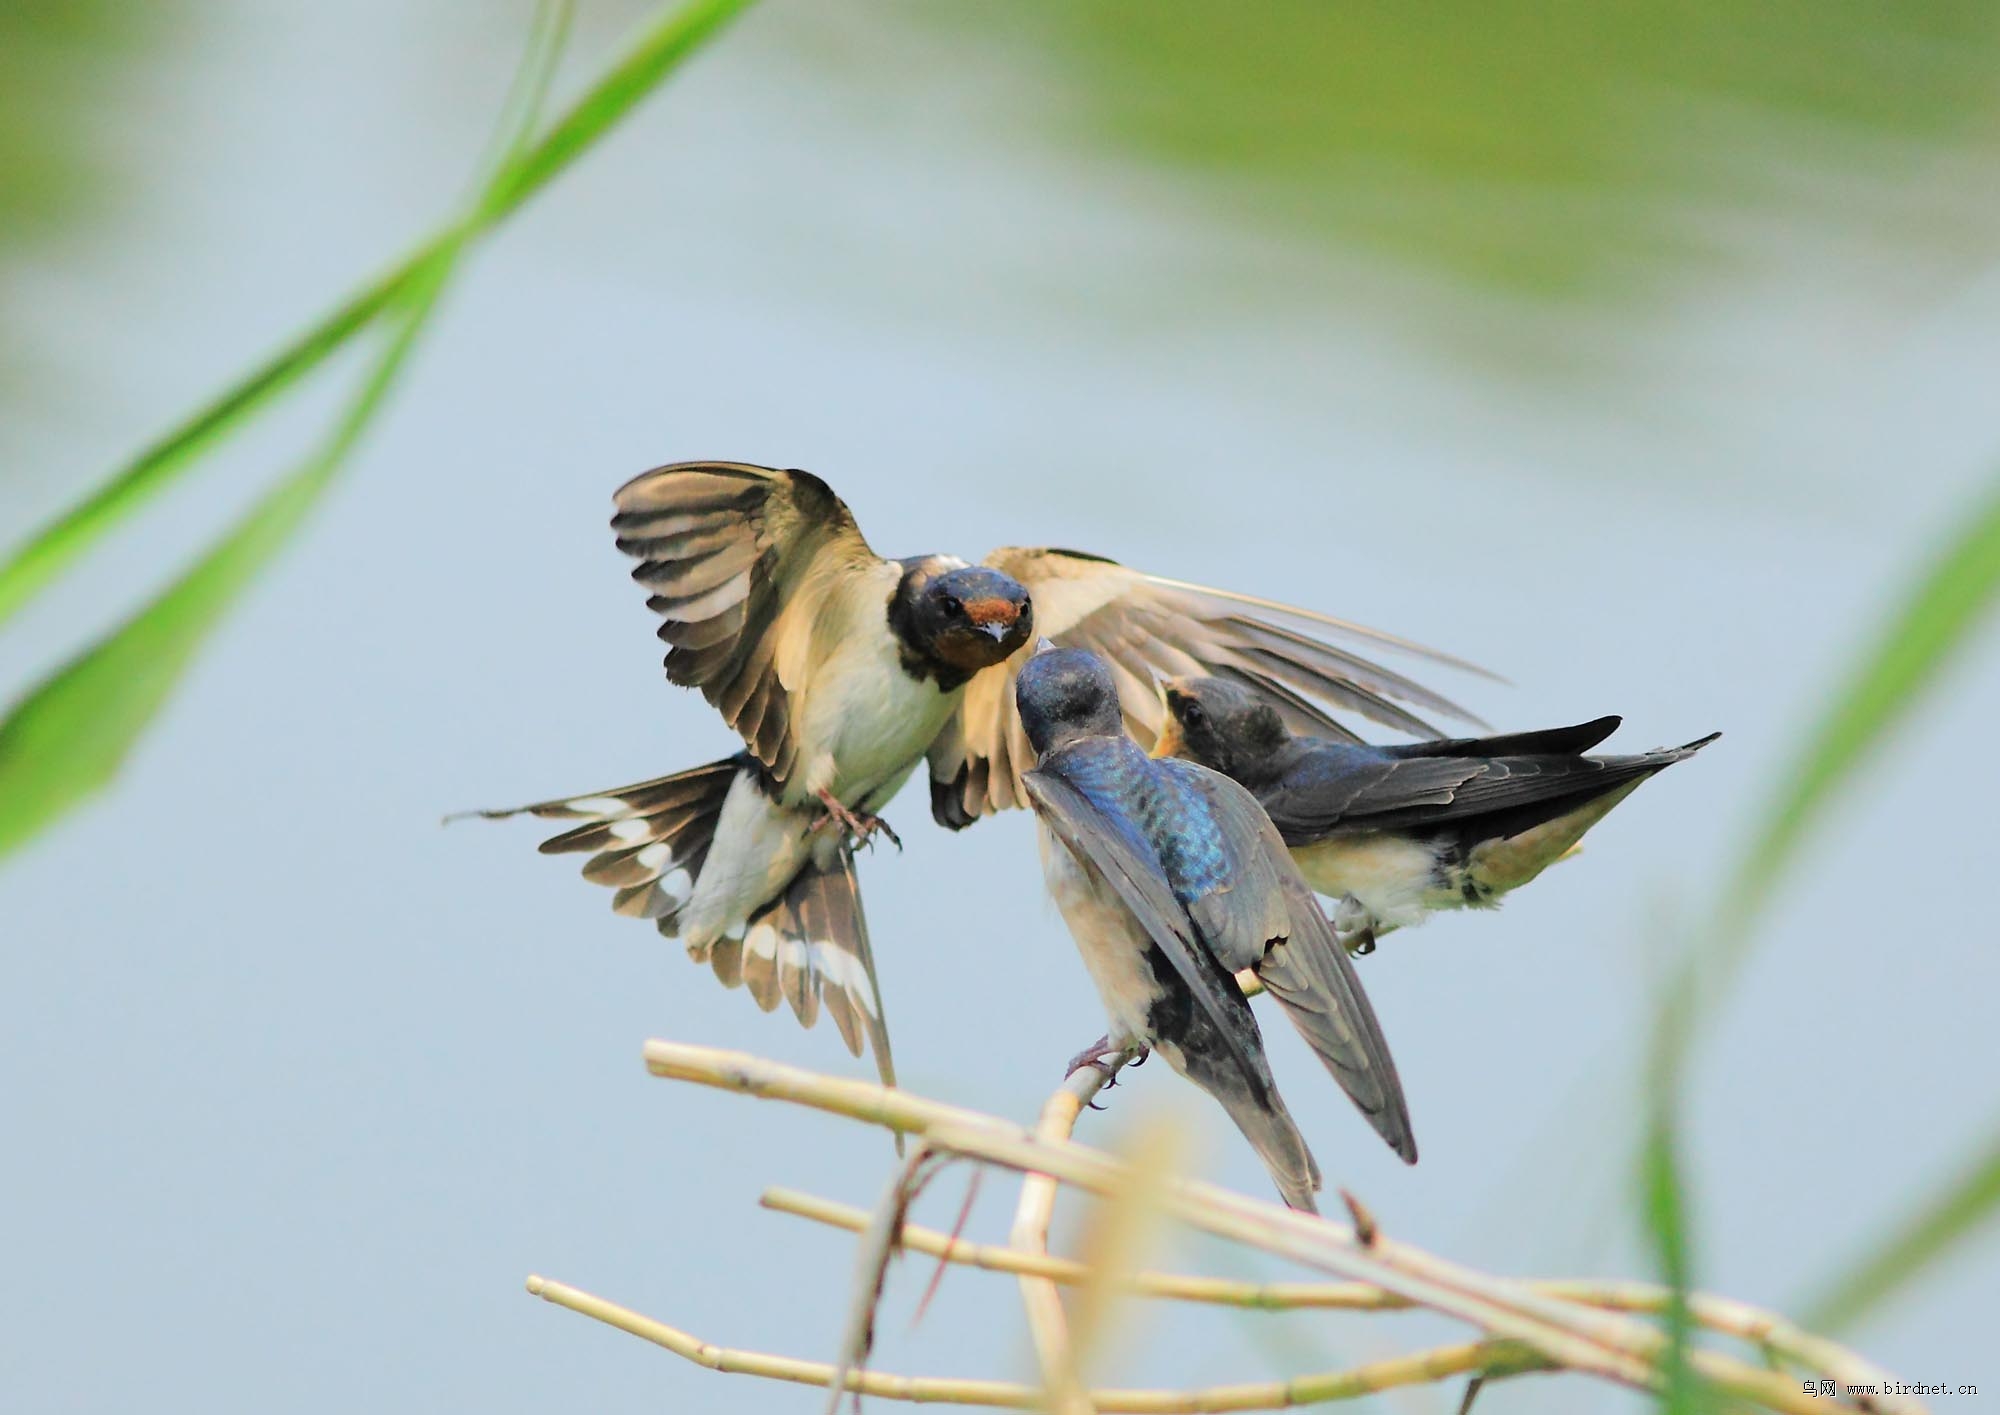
(1275, 1136)
(648, 841)
(807, 944)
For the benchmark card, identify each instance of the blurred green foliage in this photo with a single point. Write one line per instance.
(58, 61)
(57, 57)
(1930, 1234)
(1952, 594)
(1664, 1196)
(1549, 148)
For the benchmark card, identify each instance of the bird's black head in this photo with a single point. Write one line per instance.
(1223, 725)
(954, 620)
(1064, 694)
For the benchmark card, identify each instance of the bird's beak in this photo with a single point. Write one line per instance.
(996, 631)
(1044, 645)
(1169, 743)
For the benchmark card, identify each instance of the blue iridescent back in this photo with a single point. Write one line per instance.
(1162, 812)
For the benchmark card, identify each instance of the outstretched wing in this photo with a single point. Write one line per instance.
(1146, 627)
(751, 569)
(1264, 917)
(1094, 837)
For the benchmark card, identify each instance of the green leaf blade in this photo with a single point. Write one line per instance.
(658, 51)
(1947, 604)
(1938, 1227)
(527, 167)
(70, 735)
(1664, 1194)
(48, 553)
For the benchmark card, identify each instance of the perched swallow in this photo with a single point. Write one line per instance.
(1171, 879)
(1397, 832)
(842, 670)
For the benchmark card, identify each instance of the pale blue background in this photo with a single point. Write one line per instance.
(299, 1086)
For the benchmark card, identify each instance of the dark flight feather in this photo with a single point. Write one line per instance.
(1319, 789)
(1547, 741)
(1270, 922)
(725, 551)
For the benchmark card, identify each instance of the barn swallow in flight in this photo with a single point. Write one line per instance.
(1397, 832)
(842, 670)
(1171, 879)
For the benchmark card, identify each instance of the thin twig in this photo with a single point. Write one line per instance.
(1472, 1389)
(957, 1230)
(1492, 1358)
(880, 1240)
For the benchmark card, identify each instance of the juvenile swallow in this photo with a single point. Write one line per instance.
(1398, 832)
(842, 670)
(1171, 879)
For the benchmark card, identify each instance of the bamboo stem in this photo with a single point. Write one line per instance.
(1726, 1316)
(1492, 1358)
(1048, 1326)
(991, 1257)
(1595, 1341)
(1482, 1302)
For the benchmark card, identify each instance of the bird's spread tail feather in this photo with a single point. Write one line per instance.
(648, 841)
(807, 946)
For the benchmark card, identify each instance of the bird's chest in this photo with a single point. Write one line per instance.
(866, 722)
(1115, 949)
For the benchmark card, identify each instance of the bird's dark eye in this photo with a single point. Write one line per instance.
(952, 607)
(1192, 714)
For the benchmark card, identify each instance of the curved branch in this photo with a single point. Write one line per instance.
(1047, 1325)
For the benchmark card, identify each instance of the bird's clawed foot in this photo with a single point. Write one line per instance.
(1353, 926)
(1098, 1056)
(860, 827)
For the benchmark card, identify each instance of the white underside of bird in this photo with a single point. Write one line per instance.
(1395, 878)
(759, 845)
(864, 723)
(1110, 940)
(1402, 880)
